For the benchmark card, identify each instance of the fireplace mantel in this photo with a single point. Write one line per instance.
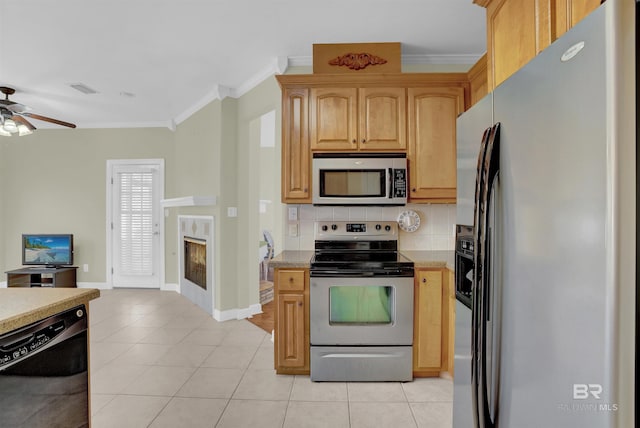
(190, 201)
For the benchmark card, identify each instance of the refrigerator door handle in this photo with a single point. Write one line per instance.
(490, 171)
(475, 323)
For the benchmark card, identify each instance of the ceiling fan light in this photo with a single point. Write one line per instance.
(10, 126)
(23, 130)
(4, 133)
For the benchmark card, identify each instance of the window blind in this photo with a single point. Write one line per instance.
(136, 223)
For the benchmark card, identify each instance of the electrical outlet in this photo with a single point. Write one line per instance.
(85, 267)
(293, 229)
(232, 212)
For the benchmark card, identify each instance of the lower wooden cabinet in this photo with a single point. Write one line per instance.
(291, 321)
(433, 323)
(434, 320)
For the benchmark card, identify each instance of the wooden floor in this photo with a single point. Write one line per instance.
(265, 319)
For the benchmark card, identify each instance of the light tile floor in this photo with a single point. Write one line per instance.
(157, 360)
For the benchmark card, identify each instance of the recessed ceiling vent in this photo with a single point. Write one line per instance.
(83, 88)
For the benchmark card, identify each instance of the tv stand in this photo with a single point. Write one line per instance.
(42, 277)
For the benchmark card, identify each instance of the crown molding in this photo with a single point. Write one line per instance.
(441, 59)
(280, 64)
(277, 66)
(109, 125)
(219, 92)
(300, 61)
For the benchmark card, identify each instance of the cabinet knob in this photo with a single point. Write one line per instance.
(424, 280)
(364, 141)
(354, 141)
(290, 279)
(306, 190)
(413, 190)
(300, 304)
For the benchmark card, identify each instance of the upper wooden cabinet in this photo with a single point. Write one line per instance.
(569, 12)
(517, 30)
(405, 112)
(477, 76)
(358, 119)
(296, 159)
(432, 136)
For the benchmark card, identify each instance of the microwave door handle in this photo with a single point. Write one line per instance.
(390, 183)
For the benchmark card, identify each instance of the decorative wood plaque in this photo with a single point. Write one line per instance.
(357, 58)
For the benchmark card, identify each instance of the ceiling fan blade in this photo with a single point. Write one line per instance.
(23, 121)
(17, 107)
(48, 119)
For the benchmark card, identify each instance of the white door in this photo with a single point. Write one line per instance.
(135, 223)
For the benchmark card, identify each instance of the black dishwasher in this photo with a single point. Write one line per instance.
(44, 375)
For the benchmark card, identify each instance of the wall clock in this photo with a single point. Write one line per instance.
(409, 221)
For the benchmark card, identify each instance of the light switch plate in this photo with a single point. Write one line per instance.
(232, 212)
(293, 213)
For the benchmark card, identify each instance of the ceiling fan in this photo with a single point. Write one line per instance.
(13, 116)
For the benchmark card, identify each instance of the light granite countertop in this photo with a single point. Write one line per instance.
(23, 306)
(292, 259)
(422, 259)
(432, 259)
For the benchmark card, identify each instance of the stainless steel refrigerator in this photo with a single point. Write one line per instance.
(550, 338)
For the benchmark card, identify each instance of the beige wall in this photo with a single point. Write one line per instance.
(260, 100)
(207, 155)
(54, 181)
(3, 242)
(197, 162)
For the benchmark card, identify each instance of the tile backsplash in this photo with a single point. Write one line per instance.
(436, 231)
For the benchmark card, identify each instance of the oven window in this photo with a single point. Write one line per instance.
(352, 183)
(360, 304)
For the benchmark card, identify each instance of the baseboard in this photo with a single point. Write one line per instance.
(237, 314)
(170, 287)
(98, 285)
(105, 286)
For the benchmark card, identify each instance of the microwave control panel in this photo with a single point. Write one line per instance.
(399, 183)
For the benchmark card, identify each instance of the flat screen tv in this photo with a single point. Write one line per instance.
(47, 249)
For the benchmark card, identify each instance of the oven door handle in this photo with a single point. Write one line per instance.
(342, 273)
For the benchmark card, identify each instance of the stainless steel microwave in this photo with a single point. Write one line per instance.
(359, 179)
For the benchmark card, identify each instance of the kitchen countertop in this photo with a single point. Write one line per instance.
(422, 259)
(23, 306)
(292, 259)
(431, 259)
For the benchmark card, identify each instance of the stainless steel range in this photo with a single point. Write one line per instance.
(361, 304)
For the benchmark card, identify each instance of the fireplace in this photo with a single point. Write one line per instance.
(195, 261)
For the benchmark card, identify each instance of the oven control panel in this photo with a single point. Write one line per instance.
(349, 230)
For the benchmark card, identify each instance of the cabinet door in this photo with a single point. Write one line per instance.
(517, 30)
(292, 321)
(333, 119)
(427, 328)
(570, 12)
(382, 119)
(432, 143)
(477, 76)
(296, 155)
(291, 346)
